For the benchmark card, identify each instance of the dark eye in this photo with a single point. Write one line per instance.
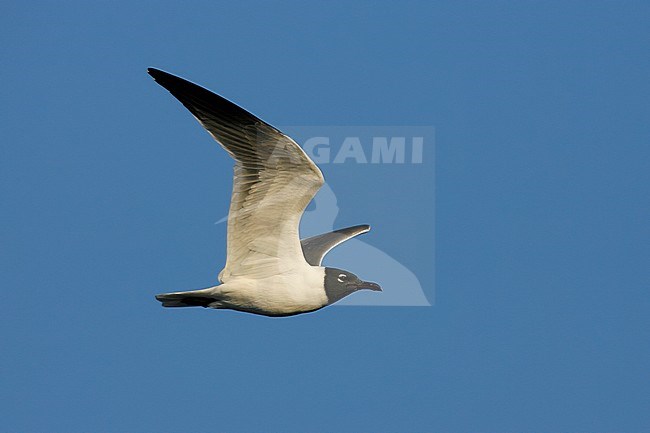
(342, 278)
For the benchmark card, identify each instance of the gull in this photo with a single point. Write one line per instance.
(269, 270)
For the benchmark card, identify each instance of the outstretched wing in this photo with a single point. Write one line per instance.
(274, 180)
(316, 247)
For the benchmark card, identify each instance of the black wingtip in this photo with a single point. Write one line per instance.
(361, 228)
(203, 103)
(156, 74)
(177, 86)
(161, 77)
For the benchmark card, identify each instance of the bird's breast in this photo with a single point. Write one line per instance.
(283, 294)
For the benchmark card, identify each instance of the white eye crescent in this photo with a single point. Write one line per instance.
(342, 278)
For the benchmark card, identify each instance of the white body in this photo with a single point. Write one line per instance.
(298, 291)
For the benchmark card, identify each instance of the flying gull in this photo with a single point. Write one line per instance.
(269, 270)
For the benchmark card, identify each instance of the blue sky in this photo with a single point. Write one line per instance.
(109, 193)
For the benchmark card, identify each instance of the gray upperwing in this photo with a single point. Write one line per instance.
(315, 247)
